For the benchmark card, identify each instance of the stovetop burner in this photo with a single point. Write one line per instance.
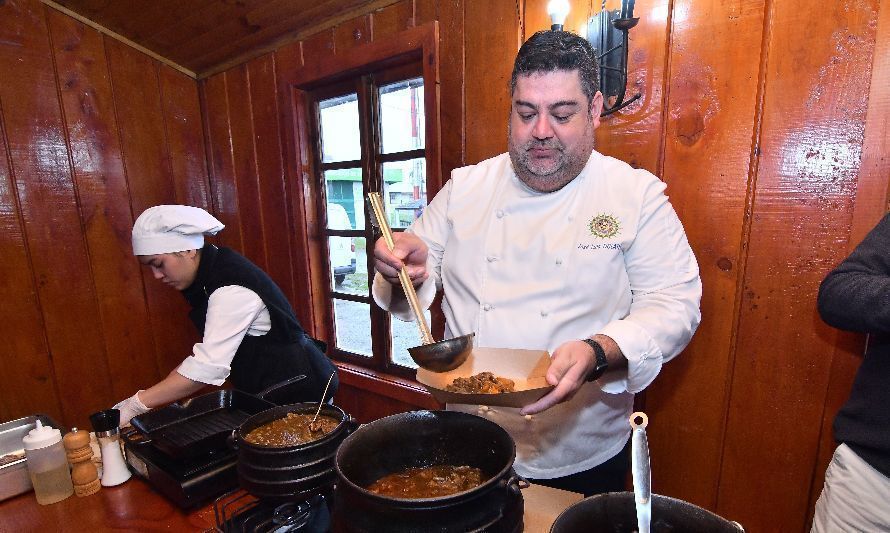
(240, 512)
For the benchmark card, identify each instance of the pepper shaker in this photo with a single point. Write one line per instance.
(84, 474)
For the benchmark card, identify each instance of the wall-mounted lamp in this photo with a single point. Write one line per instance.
(558, 11)
(607, 32)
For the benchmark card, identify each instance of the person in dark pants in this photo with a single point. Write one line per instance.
(855, 296)
(250, 334)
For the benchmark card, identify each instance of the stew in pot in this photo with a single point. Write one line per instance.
(429, 482)
(292, 430)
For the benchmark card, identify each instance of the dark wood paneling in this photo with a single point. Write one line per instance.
(352, 33)
(86, 144)
(223, 184)
(265, 114)
(38, 153)
(185, 138)
(391, 20)
(28, 374)
(142, 132)
(91, 125)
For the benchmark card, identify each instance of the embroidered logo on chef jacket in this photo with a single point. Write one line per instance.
(604, 226)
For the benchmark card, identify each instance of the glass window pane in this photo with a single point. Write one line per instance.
(404, 187)
(352, 320)
(346, 205)
(405, 335)
(402, 116)
(349, 265)
(338, 122)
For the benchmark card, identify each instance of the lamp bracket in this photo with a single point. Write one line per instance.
(607, 32)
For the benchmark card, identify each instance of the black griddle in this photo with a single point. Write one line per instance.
(202, 425)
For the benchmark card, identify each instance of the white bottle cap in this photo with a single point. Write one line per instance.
(41, 437)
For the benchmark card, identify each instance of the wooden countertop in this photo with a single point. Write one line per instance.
(134, 506)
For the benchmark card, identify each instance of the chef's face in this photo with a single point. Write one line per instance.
(551, 128)
(177, 269)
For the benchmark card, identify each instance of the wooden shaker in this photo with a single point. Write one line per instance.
(84, 474)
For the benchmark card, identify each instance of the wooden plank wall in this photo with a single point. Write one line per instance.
(766, 118)
(93, 132)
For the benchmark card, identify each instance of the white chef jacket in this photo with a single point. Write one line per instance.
(232, 312)
(524, 269)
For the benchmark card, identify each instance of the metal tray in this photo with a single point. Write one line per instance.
(14, 479)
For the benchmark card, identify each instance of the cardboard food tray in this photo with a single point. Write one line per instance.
(527, 368)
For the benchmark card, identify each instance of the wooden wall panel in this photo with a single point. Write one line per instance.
(491, 39)
(28, 381)
(800, 224)
(710, 109)
(91, 126)
(391, 20)
(142, 134)
(223, 185)
(38, 154)
(870, 206)
(185, 138)
(86, 145)
(249, 205)
(270, 172)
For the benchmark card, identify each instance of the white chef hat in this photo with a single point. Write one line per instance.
(172, 228)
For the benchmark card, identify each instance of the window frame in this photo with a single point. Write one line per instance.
(409, 54)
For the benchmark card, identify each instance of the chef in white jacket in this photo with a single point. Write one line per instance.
(555, 246)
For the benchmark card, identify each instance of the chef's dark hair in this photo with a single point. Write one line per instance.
(548, 50)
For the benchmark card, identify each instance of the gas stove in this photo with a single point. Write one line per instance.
(186, 482)
(240, 512)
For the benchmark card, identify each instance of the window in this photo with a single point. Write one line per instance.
(368, 134)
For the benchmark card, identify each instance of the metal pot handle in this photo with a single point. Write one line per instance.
(516, 483)
(232, 441)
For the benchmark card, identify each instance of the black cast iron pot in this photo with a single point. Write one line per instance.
(615, 512)
(275, 472)
(421, 439)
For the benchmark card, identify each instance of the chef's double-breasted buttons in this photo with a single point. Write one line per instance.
(486, 307)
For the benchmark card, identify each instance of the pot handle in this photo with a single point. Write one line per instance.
(516, 483)
(232, 441)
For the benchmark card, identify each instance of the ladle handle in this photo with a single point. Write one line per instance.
(640, 470)
(407, 286)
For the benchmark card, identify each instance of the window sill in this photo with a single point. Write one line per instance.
(397, 388)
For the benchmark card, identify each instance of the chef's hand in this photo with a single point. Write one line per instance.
(569, 367)
(129, 408)
(409, 250)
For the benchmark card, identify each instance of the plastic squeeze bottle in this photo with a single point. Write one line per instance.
(47, 464)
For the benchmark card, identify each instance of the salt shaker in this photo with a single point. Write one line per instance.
(114, 468)
(47, 464)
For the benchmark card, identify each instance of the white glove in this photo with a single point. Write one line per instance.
(131, 407)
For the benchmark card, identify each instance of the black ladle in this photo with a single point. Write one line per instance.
(434, 356)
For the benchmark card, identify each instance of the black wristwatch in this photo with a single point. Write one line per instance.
(602, 364)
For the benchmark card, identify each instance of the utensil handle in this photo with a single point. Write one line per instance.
(640, 470)
(407, 286)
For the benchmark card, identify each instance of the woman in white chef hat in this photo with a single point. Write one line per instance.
(250, 332)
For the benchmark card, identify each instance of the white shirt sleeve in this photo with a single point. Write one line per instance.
(666, 288)
(232, 312)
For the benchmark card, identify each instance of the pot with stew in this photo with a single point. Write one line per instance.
(428, 471)
(282, 454)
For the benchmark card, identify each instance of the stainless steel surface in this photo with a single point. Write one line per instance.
(642, 476)
(14, 479)
(434, 356)
(444, 355)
